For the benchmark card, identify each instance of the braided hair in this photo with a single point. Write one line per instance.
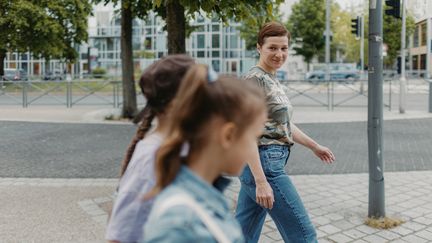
(159, 84)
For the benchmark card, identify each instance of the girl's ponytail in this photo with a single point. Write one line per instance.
(191, 94)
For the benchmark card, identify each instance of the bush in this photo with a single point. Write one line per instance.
(98, 72)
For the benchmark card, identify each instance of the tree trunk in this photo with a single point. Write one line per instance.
(2, 58)
(129, 94)
(176, 27)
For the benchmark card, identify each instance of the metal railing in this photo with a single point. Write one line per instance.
(330, 94)
(68, 93)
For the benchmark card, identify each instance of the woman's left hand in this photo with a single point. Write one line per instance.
(324, 153)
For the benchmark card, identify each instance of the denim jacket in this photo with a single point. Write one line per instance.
(182, 224)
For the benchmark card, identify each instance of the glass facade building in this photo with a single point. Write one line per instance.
(211, 42)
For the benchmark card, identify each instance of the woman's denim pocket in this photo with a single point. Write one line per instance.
(273, 158)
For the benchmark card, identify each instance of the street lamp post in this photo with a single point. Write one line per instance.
(375, 111)
(402, 80)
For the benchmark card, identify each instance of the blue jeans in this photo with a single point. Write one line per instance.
(288, 212)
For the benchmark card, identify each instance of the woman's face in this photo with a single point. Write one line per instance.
(273, 53)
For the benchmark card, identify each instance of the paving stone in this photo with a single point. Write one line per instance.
(374, 239)
(265, 239)
(275, 235)
(355, 234)
(414, 226)
(343, 224)
(425, 234)
(320, 220)
(388, 235)
(329, 229)
(423, 220)
(366, 229)
(402, 230)
(414, 239)
(340, 238)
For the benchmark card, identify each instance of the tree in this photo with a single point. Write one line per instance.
(252, 23)
(177, 11)
(392, 29)
(129, 108)
(343, 40)
(45, 28)
(307, 23)
(129, 9)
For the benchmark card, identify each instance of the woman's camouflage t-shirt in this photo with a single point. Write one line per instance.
(277, 128)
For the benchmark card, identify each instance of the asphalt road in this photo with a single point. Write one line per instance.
(55, 150)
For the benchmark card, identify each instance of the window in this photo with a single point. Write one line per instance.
(215, 27)
(199, 28)
(416, 36)
(148, 43)
(233, 41)
(200, 54)
(215, 41)
(423, 62)
(201, 41)
(423, 39)
(216, 65)
(415, 62)
(215, 54)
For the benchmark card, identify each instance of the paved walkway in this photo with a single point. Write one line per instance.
(75, 210)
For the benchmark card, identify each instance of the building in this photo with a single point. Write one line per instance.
(420, 58)
(211, 42)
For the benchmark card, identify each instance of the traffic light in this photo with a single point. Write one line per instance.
(394, 8)
(356, 26)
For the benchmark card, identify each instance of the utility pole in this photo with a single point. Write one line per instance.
(327, 49)
(375, 111)
(402, 80)
(362, 53)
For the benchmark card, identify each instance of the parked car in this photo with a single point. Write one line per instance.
(53, 75)
(338, 72)
(12, 74)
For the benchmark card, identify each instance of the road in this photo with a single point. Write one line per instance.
(56, 150)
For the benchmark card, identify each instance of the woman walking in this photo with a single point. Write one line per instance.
(265, 186)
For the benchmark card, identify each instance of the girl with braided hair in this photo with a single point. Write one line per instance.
(159, 84)
(215, 123)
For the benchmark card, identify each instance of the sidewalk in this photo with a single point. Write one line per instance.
(75, 210)
(97, 114)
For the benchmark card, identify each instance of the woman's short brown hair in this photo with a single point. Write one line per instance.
(272, 28)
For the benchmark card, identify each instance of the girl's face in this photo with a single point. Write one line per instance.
(273, 53)
(244, 147)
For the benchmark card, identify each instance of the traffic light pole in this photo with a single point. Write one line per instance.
(402, 80)
(362, 54)
(327, 50)
(375, 111)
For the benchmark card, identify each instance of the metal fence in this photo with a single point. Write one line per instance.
(329, 94)
(68, 93)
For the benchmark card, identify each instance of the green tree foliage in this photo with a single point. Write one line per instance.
(129, 9)
(252, 23)
(307, 24)
(392, 29)
(177, 11)
(343, 40)
(46, 28)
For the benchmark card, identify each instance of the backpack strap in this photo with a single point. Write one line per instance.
(185, 200)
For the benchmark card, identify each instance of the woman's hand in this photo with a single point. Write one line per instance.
(264, 194)
(324, 153)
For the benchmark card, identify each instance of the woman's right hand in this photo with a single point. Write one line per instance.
(264, 194)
